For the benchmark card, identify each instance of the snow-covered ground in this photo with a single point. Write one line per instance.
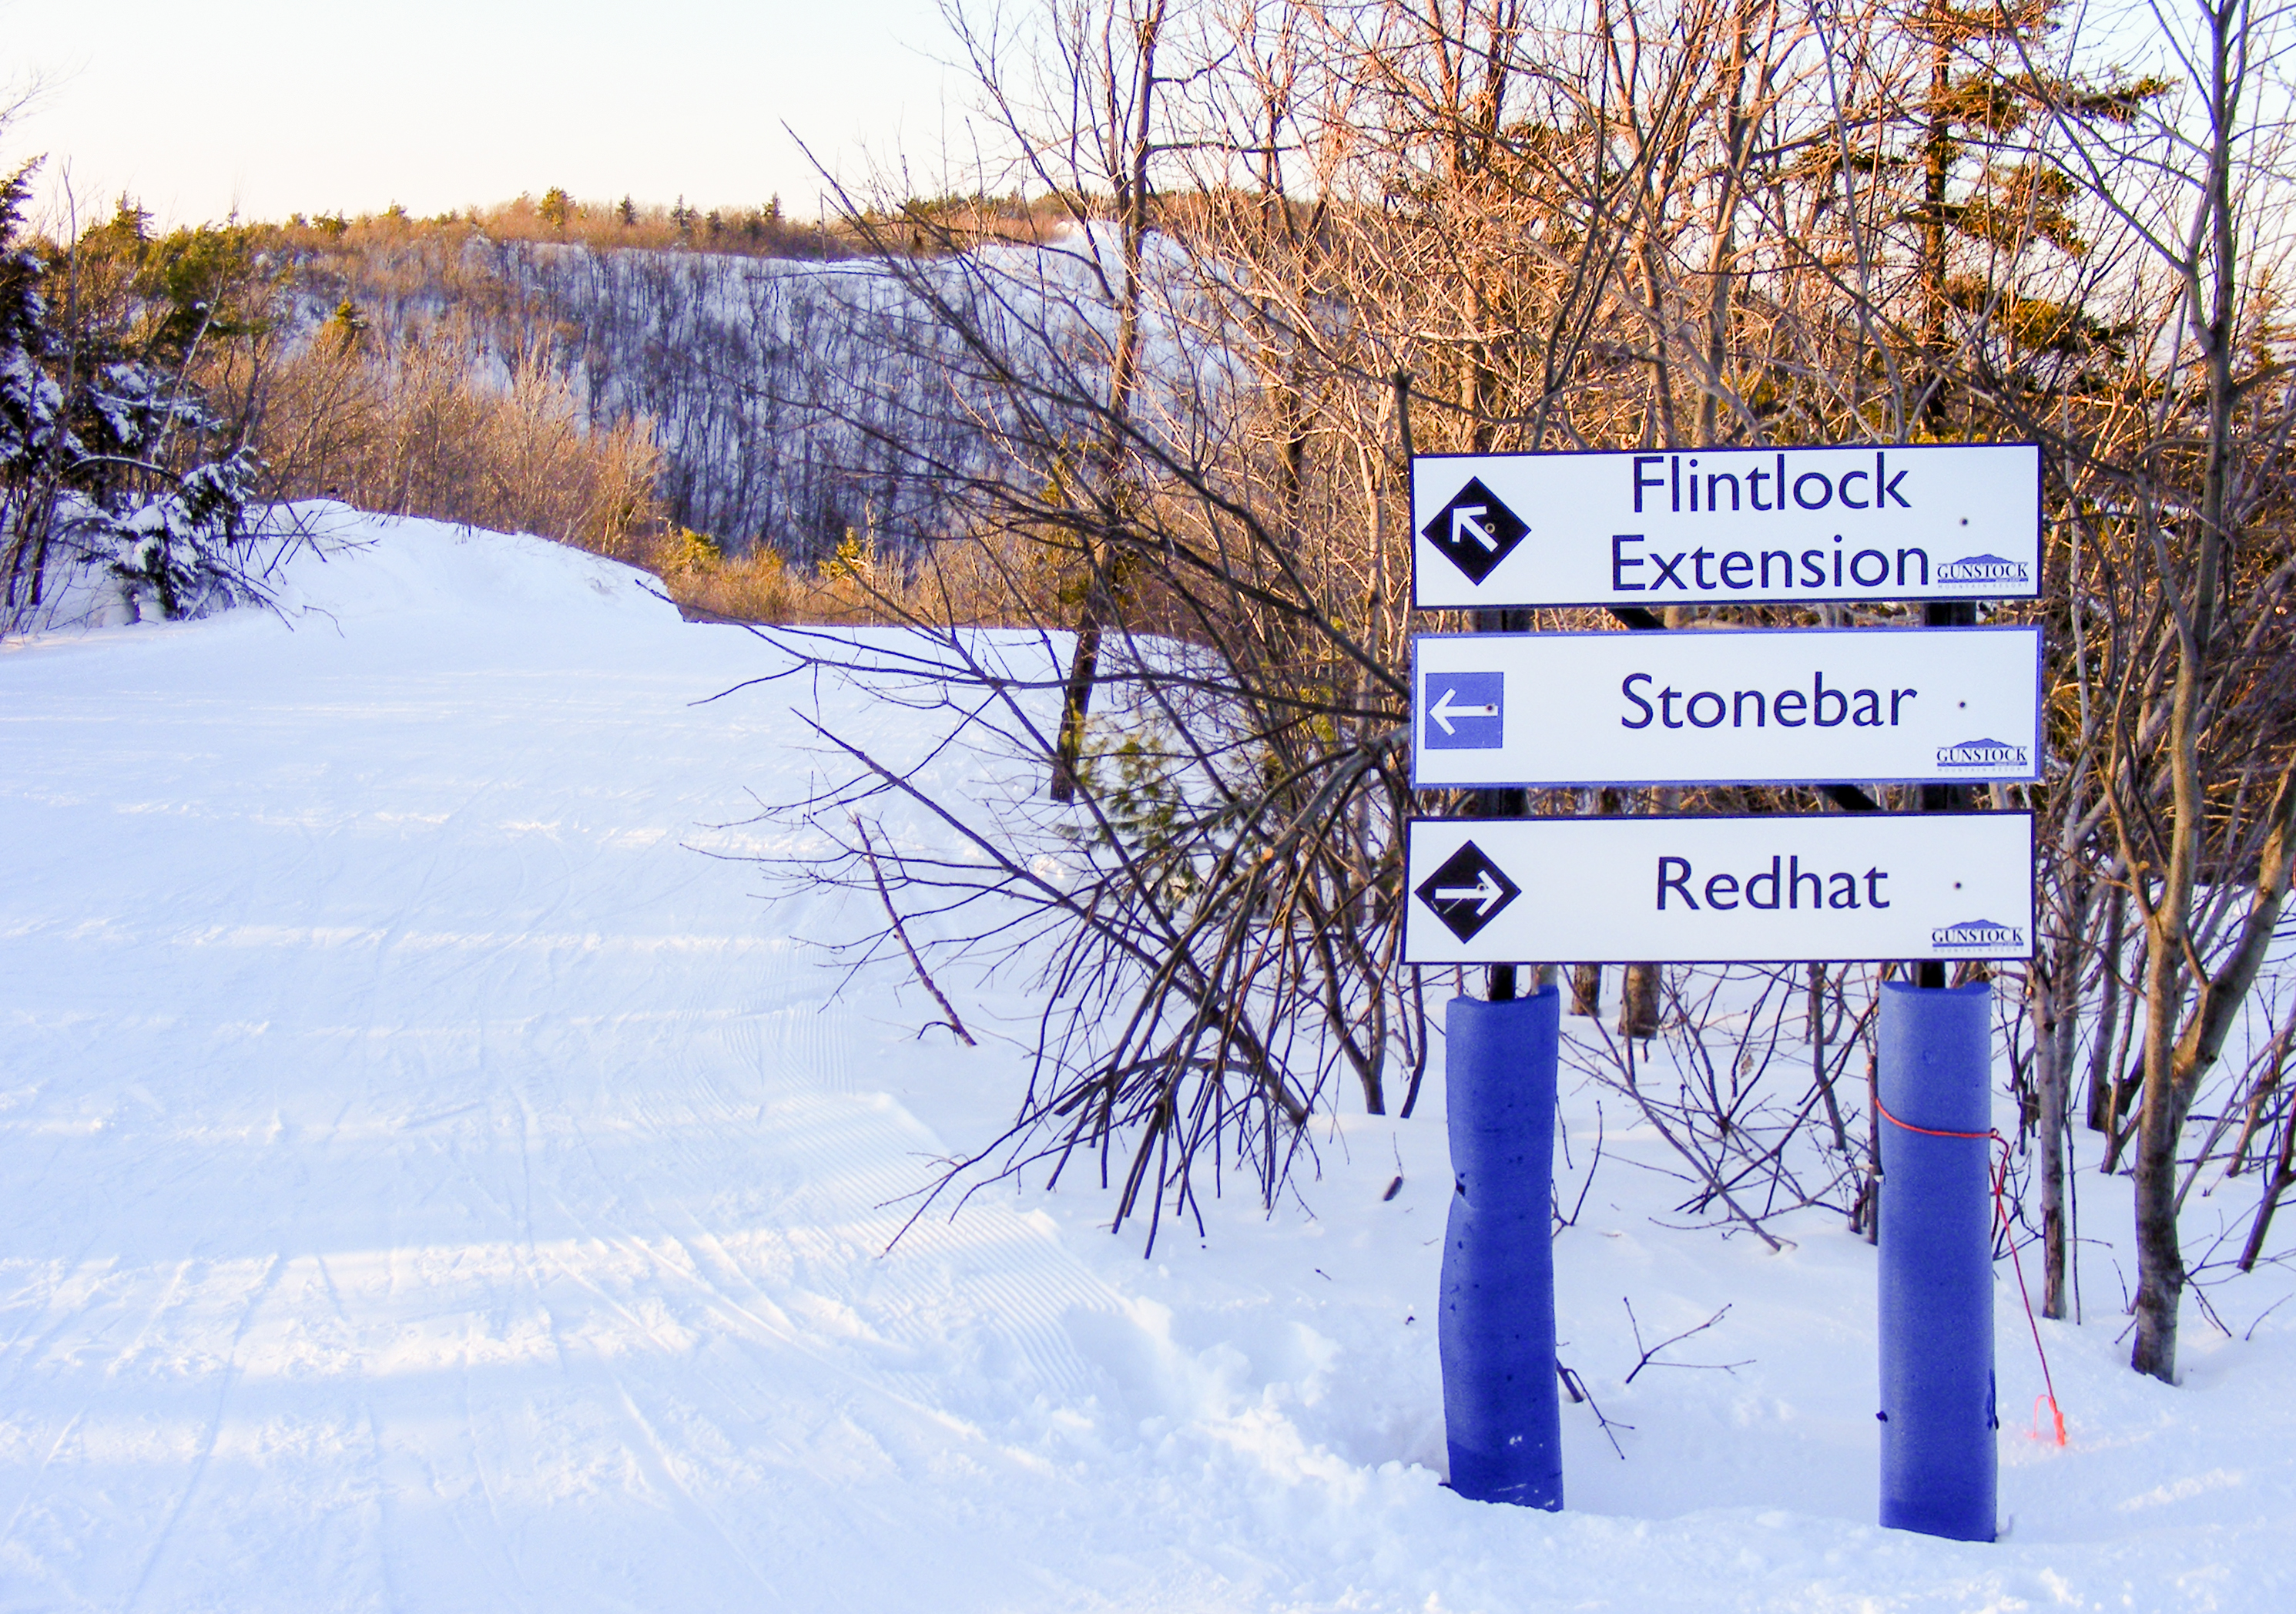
(428, 1182)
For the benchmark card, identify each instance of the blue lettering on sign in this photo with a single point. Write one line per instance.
(1465, 711)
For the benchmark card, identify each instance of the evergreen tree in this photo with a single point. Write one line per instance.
(108, 454)
(342, 331)
(1987, 84)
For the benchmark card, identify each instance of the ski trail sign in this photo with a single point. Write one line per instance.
(1727, 526)
(1734, 707)
(1755, 889)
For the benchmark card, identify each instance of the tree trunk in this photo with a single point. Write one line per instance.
(1936, 166)
(2049, 1089)
(2159, 1260)
(2276, 1182)
(1587, 990)
(1818, 1070)
(2103, 1069)
(1133, 140)
(1638, 1002)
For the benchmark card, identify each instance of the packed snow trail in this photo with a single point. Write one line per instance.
(413, 1148)
(428, 1182)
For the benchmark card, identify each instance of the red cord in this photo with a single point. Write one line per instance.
(2001, 1214)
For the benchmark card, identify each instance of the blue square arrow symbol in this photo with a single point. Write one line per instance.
(1465, 711)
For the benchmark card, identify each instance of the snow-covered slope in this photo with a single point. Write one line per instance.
(428, 1182)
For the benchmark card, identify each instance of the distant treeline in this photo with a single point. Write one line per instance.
(558, 218)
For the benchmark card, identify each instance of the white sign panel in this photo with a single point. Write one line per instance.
(1768, 707)
(1830, 886)
(1727, 526)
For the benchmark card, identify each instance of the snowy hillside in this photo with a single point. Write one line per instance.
(792, 400)
(788, 398)
(428, 1182)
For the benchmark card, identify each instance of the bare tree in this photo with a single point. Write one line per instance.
(2203, 774)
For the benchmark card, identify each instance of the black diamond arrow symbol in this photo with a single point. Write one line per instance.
(1468, 891)
(1475, 532)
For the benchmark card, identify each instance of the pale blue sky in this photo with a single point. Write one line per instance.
(199, 106)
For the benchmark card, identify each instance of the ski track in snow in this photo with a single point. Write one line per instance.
(429, 1183)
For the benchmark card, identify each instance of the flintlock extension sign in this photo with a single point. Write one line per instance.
(1761, 707)
(1827, 887)
(1727, 526)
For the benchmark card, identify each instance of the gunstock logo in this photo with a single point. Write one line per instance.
(1981, 754)
(1977, 935)
(1983, 569)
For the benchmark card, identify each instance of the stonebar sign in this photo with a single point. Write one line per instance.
(1828, 888)
(1727, 526)
(1759, 707)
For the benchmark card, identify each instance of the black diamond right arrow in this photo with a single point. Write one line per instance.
(1468, 891)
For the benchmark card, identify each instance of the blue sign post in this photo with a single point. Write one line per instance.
(1501, 1417)
(1939, 1461)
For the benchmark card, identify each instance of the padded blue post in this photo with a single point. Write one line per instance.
(1496, 1333)
(1940, 1447)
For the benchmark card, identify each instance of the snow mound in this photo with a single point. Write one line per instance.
(354, 567)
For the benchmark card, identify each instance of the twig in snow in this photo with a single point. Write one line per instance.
(1649, 1351)
(1593, 1166)
(2209, 1311)
(1578, 1392)
(900, 932)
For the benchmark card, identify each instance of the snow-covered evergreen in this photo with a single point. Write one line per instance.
(108, 454)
